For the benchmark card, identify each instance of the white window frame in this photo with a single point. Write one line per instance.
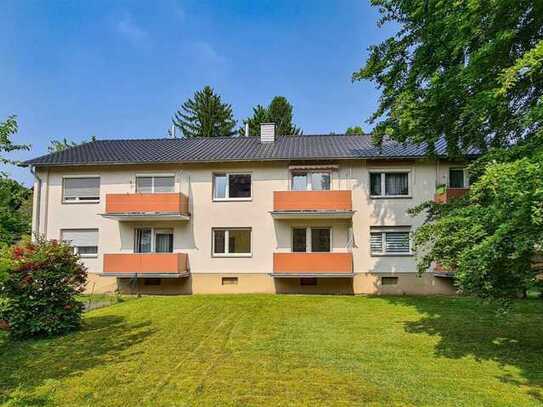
(77, 200)
(226, 238)
(309, 179)
(153, 238)
(227, 191)
(153, 176)
(76, 248)
(308, 240)
(384, 231)
(383, 173)
(466, 178)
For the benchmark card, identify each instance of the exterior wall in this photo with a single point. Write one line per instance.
(194, 237)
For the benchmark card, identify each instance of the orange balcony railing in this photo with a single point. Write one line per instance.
(174, 203)
(312, 201)
(128, 264)
(329, 264)
(450, 193)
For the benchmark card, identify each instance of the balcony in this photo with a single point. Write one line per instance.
(158, 206)
(312, 265)
(449, 193)
(145, 265)
(312, 204)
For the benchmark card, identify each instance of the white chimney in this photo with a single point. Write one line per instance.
(267, 132)
(247, 129)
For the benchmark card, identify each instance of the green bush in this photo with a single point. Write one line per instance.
(39, 288)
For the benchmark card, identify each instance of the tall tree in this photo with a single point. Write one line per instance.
(354, 131)
(443, 73)
(205, 115)
(471, 72)
(8, 129)
(260, 115)
(279, 111)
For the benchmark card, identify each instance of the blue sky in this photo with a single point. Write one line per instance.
(120, 69)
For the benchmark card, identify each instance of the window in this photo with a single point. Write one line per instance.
(390, 241)
(151, 281)
(229, 281)
(456, 178)
(389, 184)
(319, 238)
(155, 184)
(84, 241)
(232, 242)
(299, 240)
(81, 189)
(148, 240)
(389, 280)
(231, 186)
(308, 281)
(310, 181)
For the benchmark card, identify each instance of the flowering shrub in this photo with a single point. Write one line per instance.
(40, 282)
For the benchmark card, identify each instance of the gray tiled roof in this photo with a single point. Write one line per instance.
(210, 149)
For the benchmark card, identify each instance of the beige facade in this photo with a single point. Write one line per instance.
(269, 235)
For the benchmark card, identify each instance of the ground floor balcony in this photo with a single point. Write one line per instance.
(312, 204)
(293, 265)
(147, 207)
(146, 265)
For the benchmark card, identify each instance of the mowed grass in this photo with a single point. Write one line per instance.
(284, 350)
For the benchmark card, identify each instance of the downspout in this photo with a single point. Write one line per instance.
(37, 203)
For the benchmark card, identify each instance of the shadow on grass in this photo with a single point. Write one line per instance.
(28, 364)
(469, 327)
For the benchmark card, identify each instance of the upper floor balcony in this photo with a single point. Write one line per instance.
(447, 194)
(313, 264)
(145, 265)
(147, 206)
(312, 204)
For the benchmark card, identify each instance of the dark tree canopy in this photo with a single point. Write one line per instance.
(466, 70)
(205, 115)
(279, 111)
(15, 211)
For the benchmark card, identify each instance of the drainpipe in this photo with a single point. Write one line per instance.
(37, 201)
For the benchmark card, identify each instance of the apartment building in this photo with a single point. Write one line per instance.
(268, 214)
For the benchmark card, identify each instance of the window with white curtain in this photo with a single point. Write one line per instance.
(84, 241)
(150, 240)
(310, 181)
(149, 184)
(390, 241)
(81, 189)
(389, 184)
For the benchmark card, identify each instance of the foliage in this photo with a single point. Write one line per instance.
(279, 111)
(15, 210)
(470, 71)
(490, 237)
(43, 279)
(8, 129)
(205, 115)
(354, 131)
(60, 145)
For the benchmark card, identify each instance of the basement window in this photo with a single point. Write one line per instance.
(389, 280)
(308, 281)
(151, 281)
(229, 281)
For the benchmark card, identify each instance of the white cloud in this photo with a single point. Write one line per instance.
(130, 30)
(207, 53)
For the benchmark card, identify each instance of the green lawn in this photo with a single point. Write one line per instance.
(284, 350)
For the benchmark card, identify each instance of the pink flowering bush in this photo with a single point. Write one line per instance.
(40, 281)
